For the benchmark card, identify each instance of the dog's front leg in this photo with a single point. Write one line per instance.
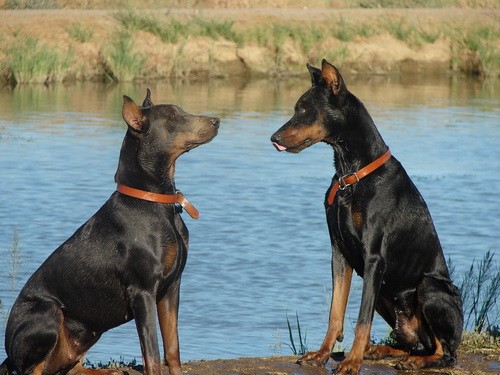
(144, 307)
(341, 279)
(168, 309)
(373, 274)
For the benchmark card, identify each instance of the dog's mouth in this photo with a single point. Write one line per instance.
(190, 145)
(295, 149)
(279, 147)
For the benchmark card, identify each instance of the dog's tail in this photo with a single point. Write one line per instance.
(4, 367)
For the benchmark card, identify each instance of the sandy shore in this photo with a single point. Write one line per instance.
(468, 363)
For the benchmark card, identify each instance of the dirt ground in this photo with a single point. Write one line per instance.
(468, 364)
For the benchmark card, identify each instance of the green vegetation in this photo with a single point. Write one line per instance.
(31, 4)
(478, 40)
(124, 63)
(114, 364)
(13, 266)
(172, 30)
(301, 347)
(272, 47)
(482, 42)
(114, 4)
(80, 33)
(480, 342)
(480, 289)
(32, 62)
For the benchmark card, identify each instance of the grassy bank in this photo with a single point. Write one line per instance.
(128, 44)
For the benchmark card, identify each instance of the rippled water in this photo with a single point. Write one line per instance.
(260, 248)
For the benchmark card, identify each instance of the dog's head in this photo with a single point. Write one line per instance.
(318, 112)
(166, 130)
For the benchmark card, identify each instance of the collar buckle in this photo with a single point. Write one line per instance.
(347, 180)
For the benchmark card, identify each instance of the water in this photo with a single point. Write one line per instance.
(260, 249)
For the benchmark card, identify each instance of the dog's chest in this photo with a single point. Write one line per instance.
(345, 222)
(175, 251)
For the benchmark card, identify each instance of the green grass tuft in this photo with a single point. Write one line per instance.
(399, 28)
(480, 289)
(301, 347)
(32, 62)
(124, 63)
(80, 33)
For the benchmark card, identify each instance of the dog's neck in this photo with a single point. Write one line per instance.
(155, 176)
(358, 144)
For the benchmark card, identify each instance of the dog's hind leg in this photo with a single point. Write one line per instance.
(442, 311)
(31, 335)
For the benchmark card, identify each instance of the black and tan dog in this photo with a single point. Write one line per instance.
(379, 226)
(124, 263)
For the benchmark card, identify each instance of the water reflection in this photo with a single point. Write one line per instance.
(229, 96)
(261, 246)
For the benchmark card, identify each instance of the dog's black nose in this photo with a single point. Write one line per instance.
(215, 121)
(276, 137)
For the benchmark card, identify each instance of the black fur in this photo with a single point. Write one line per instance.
(381, 228)
(124, 263)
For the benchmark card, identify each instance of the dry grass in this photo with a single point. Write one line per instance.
(148, 4)
(183, 42)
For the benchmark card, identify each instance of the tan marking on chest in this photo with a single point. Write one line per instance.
(171, 255)
(357, 219)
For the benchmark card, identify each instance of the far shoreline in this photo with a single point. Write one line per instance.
(74, 45)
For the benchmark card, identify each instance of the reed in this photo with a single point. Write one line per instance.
(301, 347)
(123, 63)
(171, 30)
(32, 62)
(480, 289)
(80, 33)
(13, 267)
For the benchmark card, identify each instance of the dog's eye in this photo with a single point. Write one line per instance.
(301, 110)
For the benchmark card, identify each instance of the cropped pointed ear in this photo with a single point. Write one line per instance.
(147, 100)
(133, 116)
(315, 74)
(332, 77)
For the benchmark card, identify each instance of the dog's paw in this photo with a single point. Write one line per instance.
(347, 366)
(410, 363)
(376, 352)
(317, 358)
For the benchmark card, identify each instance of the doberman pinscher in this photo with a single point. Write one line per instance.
(124, 263)
(380, 227)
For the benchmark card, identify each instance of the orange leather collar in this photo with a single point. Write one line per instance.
(160, 198)
(350, 179)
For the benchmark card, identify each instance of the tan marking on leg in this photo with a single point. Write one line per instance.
(352, 363)
(38, 370)
(406, 329)
(340, 295)
(414, 362)
(376, 352)
(63, 356)
(168, 319)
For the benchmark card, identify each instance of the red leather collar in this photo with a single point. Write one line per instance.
(160, 198)
(350, 179)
